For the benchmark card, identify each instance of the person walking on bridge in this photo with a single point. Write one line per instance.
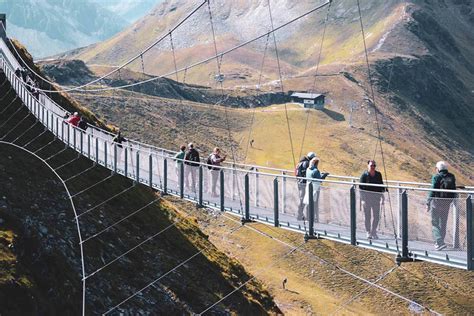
(191, 161)
(438, 203)
(371, 198)
(74, 119)
(300, 172)
(179, 158)
(312, 176)
(215, 160)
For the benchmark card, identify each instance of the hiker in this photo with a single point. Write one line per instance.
(178, 158)
(251, 143)
(83, 124)
(18, 73)
(191, 161)
(215, 160)
(118, 139)
(438, 203)
(74, 119)
(312, 175)
(371, 197)
(300, 172)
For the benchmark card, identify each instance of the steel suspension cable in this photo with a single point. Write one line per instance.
(377, 123)
(16, 125)
(337, 267)
(9, 104)
(315, 76)
(107, 200)
(25, 131)
(281, 81)
(206, 60)
(121, 66)
(120, 221)
(174, 57)
(272, 263)
(258, 94)
(93, 185)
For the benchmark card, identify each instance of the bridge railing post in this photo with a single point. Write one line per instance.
(283, 192)
(105, 154)
(125, 161)
(89, 146)
(247, 197)
(275, 203)
(470, 233)
(222, 189)
(200, 186)
(165, 176)
(82, 142)
(310, 209)
(115, 158)
(456, 219)
(97, 150)
(257, 193)
(353, 216)
(404, 224)
(181, 179)
(137, 168)
(150, 170)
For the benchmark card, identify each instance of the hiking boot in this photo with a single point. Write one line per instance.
(369, 236)
(440, 247)
(375, 236)
(300, 217)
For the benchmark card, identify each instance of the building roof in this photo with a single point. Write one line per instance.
(304, 95)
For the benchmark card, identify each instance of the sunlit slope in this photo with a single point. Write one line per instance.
(235, 22)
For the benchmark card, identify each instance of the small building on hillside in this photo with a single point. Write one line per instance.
(309, 100)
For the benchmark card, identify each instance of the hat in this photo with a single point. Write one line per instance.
(311, 155)
(75, 113)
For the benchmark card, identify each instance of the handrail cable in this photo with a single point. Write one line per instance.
(378, 125)
(281, 81)
(314, 80)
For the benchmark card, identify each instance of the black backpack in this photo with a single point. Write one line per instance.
(447, 182)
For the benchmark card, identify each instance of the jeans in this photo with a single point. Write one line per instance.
(190, 171)
(371, 207)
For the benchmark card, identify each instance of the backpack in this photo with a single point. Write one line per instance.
(447, 182)
(300, 169)
(209, 162)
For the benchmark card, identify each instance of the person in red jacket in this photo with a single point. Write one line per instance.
(74, 119)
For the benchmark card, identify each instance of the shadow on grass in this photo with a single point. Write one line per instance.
(334, 115)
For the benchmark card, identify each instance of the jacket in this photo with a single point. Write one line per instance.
(376, 179)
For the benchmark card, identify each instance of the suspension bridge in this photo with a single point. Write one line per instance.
(251, 192)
